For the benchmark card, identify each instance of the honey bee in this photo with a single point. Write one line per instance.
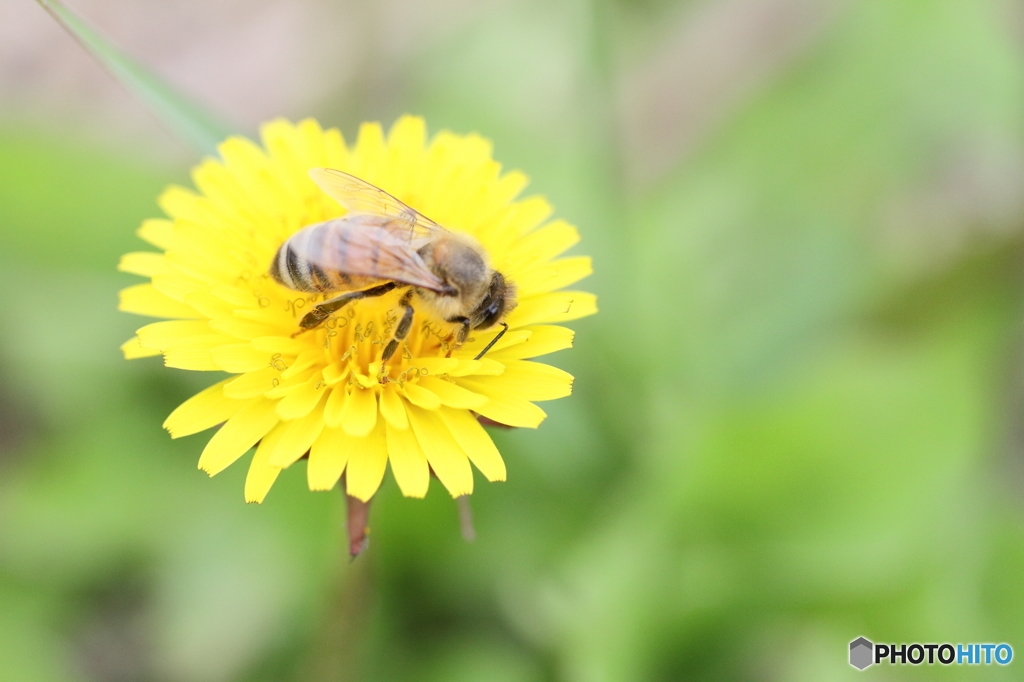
(382, 245)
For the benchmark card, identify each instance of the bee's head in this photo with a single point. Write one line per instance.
(499, 300)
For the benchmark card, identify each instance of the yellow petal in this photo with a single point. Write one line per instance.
(481, 339)
(196, 352)
(311, 143)
(452, 394)
(252, 384)
(335, 405)
(158, 232)
(435, 365)
(209, 305)
(262, 473)
(582, 304)
(214, 264)
(250, 165)
(335, 149)
(306, 359)
(132, 349)
(297, 439)
(486, 367)
(420, 396)
(408, 133)
(177, 286)
(503, 230)
(143, 299)
(327, 458)
(241, 154)
(509, 186)
(443, 452)
(553, 307)
(503, 408)
(143, 263)
(241, 296)
(333, 374)
(542, 245)
(530, 212)
(392, 408)
(227, 189)
(210, 228)
(359, 414)
(243, 329)
(365, 380)
(545, 338)
(240, 433)
(554, 275)
(366, 464)
(239, 358)
(279, 344)
(162, 334)
(407, 141)
(300, 402)
(369, 151)
(532, 381)
(408, 463)
(181, 203)
(207, 408)
(289, 386)
(540, 308)
(476, 442)
(283, 145)
(468, 367)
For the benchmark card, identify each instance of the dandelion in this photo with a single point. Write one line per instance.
(320, 393)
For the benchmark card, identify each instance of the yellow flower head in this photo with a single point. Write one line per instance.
(324, 392)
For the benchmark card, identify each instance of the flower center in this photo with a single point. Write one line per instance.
(355, 337)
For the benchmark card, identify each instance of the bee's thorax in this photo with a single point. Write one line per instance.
(459, 262)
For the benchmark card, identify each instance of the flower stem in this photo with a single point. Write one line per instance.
(357, 524)
(466, 518)
(338, 646)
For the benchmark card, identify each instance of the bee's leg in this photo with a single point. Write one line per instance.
(401, 331)
(315, 317)
(462, 334)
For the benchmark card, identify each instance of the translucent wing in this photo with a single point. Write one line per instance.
(359, 196)
(355, 250)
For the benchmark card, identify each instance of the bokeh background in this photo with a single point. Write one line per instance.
(798, 418)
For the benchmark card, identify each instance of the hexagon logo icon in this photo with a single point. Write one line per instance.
(860, 653)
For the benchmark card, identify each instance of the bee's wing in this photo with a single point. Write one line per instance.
(359, 196)
(364, 246)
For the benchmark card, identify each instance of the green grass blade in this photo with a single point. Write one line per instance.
(184, 117)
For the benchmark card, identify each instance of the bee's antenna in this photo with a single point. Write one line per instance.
(493, 341)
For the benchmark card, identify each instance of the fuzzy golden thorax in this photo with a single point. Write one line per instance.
(460, 262)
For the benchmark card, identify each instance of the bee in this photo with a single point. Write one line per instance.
(382, 245)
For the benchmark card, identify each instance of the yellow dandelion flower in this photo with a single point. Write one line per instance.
(325, 393)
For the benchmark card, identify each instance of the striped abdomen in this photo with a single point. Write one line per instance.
(325, 258)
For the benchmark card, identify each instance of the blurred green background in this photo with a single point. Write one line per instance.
(798, 418)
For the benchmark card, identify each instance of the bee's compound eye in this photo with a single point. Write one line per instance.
(491, 309)
(489, 313)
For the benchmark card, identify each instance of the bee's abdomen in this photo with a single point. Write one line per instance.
(291, 269)
(297, 273)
